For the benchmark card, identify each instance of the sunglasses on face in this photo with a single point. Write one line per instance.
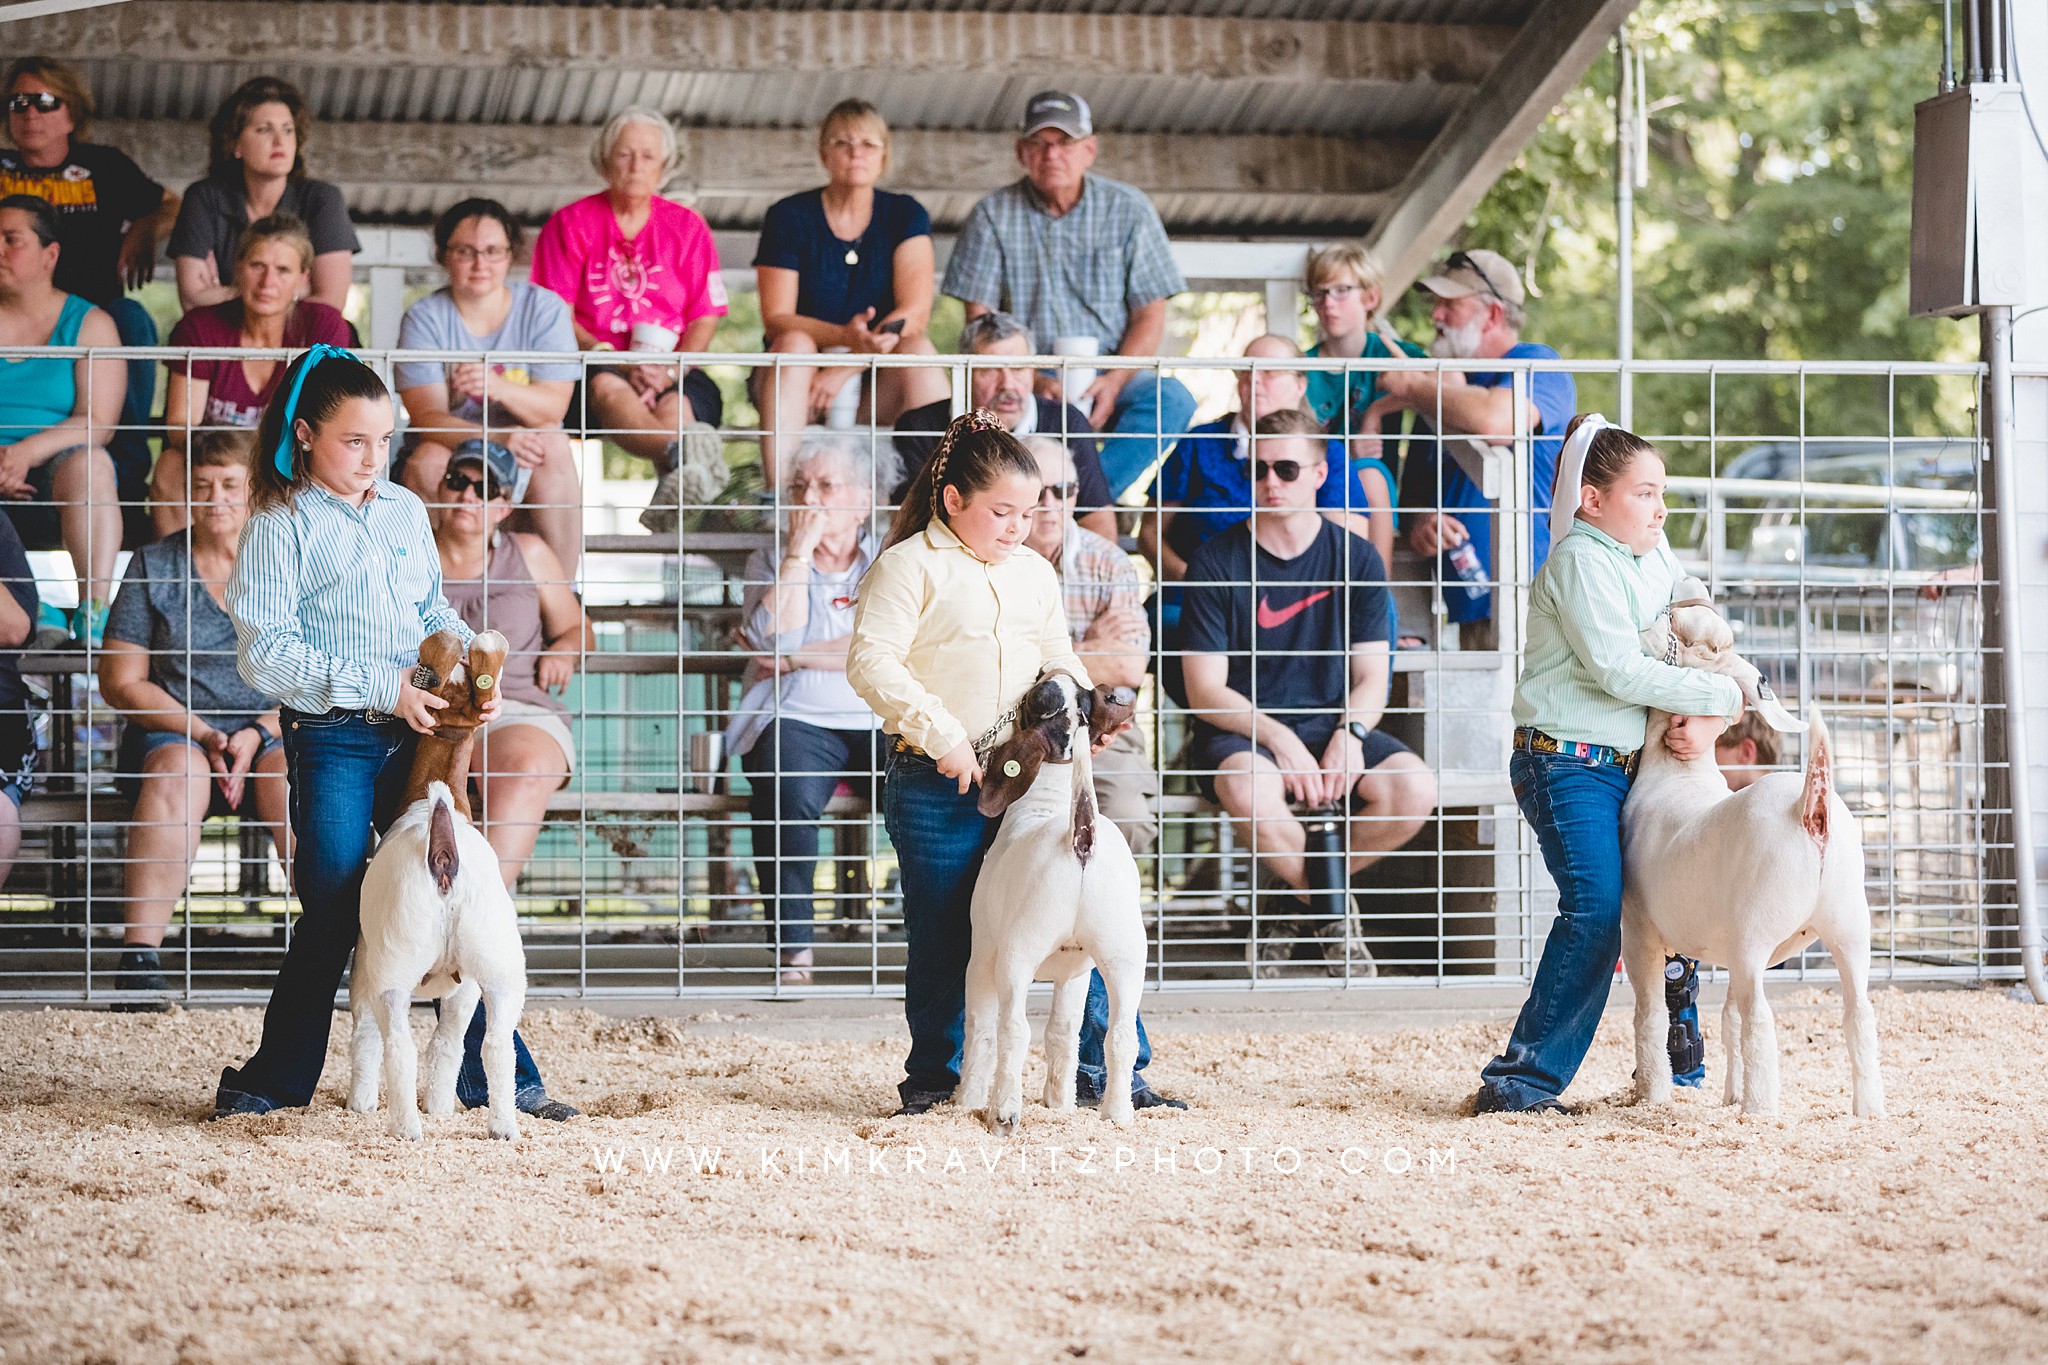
(1287, 471)
(42, 101)
(1060, 491)
(459, 483)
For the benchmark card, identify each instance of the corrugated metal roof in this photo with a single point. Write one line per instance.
(519, 95)
(1406, 86)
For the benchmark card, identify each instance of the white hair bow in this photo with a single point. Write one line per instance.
(1571, 472)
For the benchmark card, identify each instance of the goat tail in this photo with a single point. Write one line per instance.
(1084, 796)
(443, 860)
(1813, 796)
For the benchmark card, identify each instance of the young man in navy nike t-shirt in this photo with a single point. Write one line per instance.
(1286, 623)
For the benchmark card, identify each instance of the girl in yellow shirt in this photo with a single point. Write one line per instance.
(954, 622)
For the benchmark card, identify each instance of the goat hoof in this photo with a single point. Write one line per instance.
(506, 1130)
(406, 1129)
(1002, 1125)
(439, 1108)
(362, 1104)
(1119, 1115)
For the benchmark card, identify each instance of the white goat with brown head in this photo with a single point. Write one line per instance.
(1744, 879)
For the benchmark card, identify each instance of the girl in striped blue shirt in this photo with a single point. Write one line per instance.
(336, 585)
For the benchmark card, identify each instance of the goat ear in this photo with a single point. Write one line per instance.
(440, 652)
(487, 663)
(1011, 770)
(1111, 707)
(1758, 694)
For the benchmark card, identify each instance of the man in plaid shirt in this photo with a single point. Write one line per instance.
(1079, 257)
(1106, 617)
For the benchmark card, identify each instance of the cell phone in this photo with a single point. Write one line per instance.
(893, 326)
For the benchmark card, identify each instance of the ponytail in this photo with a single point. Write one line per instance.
(312, 387)
(973, 453)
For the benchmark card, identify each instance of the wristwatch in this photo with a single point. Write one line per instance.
(1358, 732)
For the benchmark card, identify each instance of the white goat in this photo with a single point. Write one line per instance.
(1057, 897)
(1744, 879)
(438, 922)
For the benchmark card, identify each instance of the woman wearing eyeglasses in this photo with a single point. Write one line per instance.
(511, 582)
(846, 267)
(514, 402)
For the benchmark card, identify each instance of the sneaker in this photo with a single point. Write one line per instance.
(1347, 955)
(227, 1103)
(536, 1101)
(697, 474)
(140, 971)
(53, 628)
(917, 1102)
(1143, 1096)
(89, 624)
(1491, 1101)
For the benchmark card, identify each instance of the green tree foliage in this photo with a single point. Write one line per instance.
(1775, 225)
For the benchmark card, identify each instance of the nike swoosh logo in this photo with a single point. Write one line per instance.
(1269, 619)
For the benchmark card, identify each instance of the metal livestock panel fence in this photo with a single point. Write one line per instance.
(1836, 511)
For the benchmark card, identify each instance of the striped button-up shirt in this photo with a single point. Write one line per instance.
(945, 643)
(331, 600)
(1094, 577)
(1585, 676)
(1077, 275)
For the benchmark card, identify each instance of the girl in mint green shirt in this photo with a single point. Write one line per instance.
(1580, 710)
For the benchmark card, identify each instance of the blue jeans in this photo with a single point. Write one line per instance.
(1574, 806)
(347, 777)
(940, 839)
(794, 768)
(1151, 414)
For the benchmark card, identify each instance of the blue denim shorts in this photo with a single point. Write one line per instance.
(137, 744)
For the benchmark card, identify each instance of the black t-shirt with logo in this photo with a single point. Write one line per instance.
(1308, 612)
(97, 193)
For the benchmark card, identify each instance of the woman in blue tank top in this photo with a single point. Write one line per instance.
(57, 413)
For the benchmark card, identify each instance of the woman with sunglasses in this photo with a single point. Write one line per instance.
(511, 582)
(110, 216)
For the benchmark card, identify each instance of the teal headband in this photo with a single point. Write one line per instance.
(282, 456)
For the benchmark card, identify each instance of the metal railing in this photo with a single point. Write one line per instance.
(644, 877)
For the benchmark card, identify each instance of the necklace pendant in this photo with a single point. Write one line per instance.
(852, 256)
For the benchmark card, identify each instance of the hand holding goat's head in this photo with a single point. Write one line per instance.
(466, 682)
(1692, 634)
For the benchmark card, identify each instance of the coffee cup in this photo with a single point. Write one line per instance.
(652, 336)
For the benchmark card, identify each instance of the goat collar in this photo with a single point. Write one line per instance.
(1692, 602)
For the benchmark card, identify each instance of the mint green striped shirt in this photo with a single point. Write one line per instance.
(1585, 676)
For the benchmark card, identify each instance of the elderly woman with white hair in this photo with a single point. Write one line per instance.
(639, 273)
(799, 729)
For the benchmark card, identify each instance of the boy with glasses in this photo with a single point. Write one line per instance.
(1345, 285)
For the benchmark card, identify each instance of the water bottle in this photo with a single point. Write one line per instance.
(1464, 558)
(1323, 863)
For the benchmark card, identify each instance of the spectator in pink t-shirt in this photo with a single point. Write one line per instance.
(626, 258)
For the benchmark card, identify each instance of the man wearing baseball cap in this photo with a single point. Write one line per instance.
(1478, 315)
(1079, 259)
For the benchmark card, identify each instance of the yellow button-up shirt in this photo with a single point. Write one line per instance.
(945, 643)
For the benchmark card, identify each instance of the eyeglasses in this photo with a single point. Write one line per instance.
(1060, 491)
(1286, 470)
(1339, 292)
(458, 484)
(491, 255)
(1461, 260)
(42, 101)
